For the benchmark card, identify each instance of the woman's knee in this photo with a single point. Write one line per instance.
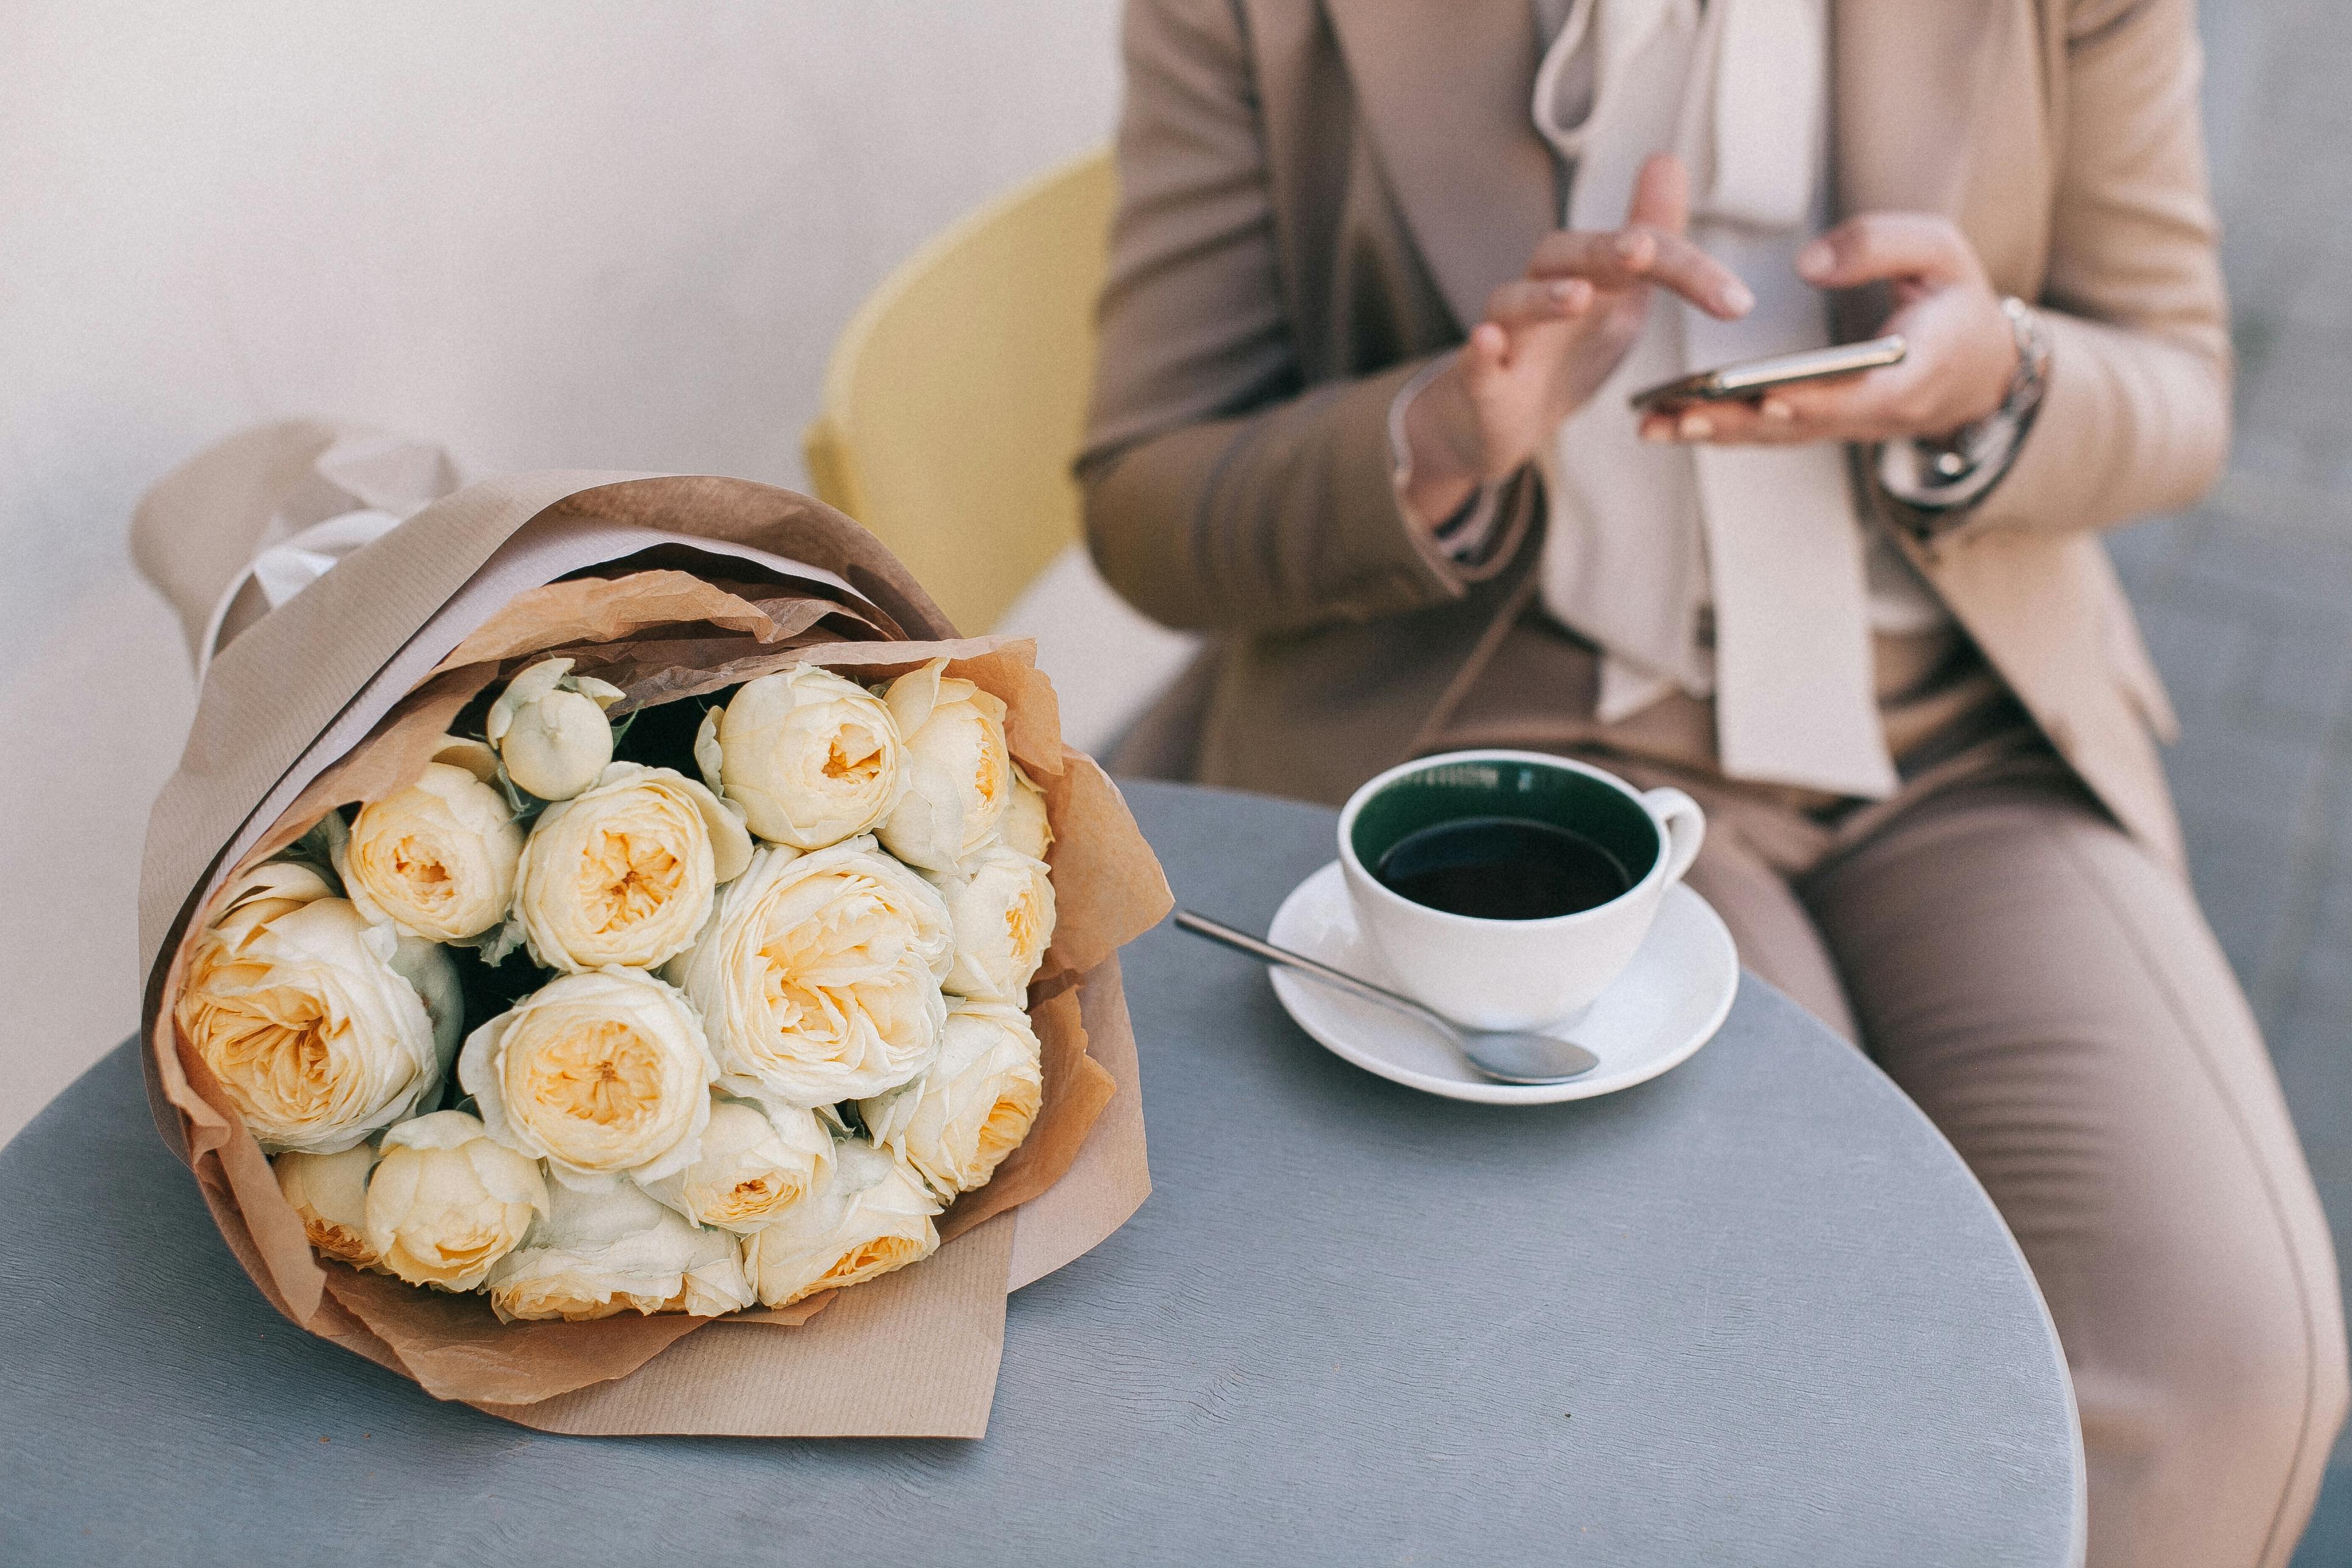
(2263, 1375)
(2210, 1437)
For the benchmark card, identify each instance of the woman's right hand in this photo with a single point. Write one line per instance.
(1550, 338)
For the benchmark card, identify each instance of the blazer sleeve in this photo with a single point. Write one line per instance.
(1222, 492)
(2136, 416)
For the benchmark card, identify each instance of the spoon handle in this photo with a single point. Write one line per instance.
(1339, 979)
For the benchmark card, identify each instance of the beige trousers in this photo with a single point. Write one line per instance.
(2051, 997)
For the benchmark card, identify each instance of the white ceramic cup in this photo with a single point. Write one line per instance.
(1507, 974)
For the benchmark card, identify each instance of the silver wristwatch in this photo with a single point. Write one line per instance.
(1959, 470)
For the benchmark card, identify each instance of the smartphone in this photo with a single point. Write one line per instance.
(1759, 375)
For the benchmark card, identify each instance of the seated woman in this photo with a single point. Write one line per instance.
(1382, 279)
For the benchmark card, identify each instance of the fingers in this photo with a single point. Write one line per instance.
(1725, 423)
(1692, 273)
(1882, 402)
(1627, 256)
(1488, 349)
(1733, 423)
(1878, 246)
(1649, 249)
(1877, 406)
(1527, 302)
(1661, 195)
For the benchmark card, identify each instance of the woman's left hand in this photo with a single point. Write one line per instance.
(1962, 351)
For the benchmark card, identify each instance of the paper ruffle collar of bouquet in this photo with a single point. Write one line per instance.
(667, 954)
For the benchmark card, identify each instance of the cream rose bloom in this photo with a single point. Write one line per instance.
(874, 1215)
(437, 858)
(1025, 826)
(623, 873)
(756, 1161)
(446, 1201)
(604, 1074)
(613, 1249)
(302, 1010)
(329, 1192)
(550, 728)
(956, 1123)
(812, 759)
(1001, 906)
(958, 772)
(819, 975)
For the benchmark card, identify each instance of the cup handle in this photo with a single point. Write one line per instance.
(1682, 825)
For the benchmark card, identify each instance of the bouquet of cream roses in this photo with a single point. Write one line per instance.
(634, 924)
(754, 1029)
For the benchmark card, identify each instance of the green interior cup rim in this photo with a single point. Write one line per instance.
(1553, 790)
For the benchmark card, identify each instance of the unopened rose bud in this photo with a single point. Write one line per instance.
(550, 728)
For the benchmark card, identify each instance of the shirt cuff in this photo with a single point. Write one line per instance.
(1467, 537)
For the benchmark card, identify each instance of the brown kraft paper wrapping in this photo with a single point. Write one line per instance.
(336, 698)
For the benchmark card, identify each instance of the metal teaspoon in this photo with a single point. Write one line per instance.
(1510, 1055)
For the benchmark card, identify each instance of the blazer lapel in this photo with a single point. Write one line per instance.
(1443, 88)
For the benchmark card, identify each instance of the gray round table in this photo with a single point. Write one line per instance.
(1755, 1312)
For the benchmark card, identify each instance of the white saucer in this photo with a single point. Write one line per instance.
(1669, 1002)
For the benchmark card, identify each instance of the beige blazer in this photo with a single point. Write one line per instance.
(1316, 195)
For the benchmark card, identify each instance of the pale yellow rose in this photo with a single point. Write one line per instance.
(550, 728)
(613, 1249)
(812, 758)
(604, 1074)
(1025, 826)
(1001, 906)
(329, 1192)
(873, 1217)
(819, 975)
(972, 1107)
(958, 771)
(300, 1008)
(437, 858)
(447, 1201)
(622, 872)
(756, 1161)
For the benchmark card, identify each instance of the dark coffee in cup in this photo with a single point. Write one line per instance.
(1507, 889)
(1503, 868)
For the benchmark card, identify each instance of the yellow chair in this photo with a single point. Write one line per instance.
(955, 398)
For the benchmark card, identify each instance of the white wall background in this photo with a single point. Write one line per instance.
(552, 235)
